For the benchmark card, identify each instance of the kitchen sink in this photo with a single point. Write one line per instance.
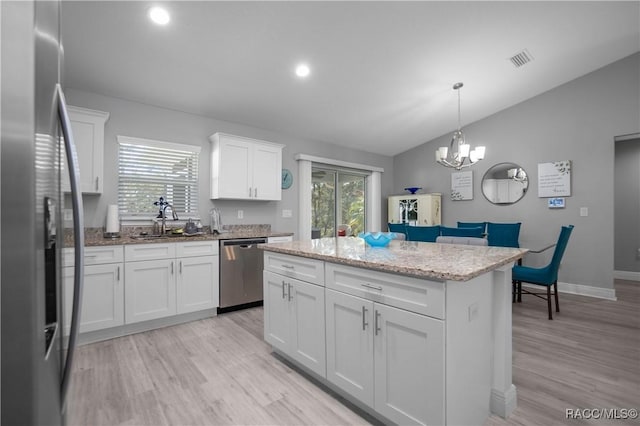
(155, 237)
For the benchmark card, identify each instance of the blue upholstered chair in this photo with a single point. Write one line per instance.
(482, 225)
(546, 276)
(462, 232)
(398, 228)
(503, 234)
(423, 233)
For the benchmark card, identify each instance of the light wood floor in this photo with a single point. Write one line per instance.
(219, 371)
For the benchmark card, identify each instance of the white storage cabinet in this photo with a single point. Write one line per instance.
(245, 169)
(377, 349)
(103, 291)
(294, 313)
(88, 132)
(415, 210)
(169, 279)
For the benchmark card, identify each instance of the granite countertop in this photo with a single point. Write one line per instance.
(94, 236)
(425, 260)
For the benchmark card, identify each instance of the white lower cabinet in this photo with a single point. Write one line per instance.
(151, 290)
(196, 283)
(179, 278)
(102, 297)
(294, 319)
(102, 304)
(378, 354)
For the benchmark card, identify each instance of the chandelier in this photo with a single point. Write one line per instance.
(459, 155)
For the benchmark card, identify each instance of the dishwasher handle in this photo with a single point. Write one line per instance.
(244, 242)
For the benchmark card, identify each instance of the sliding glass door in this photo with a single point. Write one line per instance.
(338, 202)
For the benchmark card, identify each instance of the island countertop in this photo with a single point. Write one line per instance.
(425, 260)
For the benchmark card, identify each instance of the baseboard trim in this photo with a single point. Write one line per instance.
(503, 403)
(582, 290)
(626, 275)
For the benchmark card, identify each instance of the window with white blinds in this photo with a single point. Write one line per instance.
(149, 169)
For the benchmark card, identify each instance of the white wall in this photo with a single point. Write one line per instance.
(576, 121)
(145, 121)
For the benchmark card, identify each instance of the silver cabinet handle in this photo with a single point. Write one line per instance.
(288, 266)
(377, 325)
(181, 267)
(364, 321)
(249, 192)
(283, 289)
(373, 287)
(97, 180)
(289, 291)
(118, 275)
(255, 192)
(171, 268)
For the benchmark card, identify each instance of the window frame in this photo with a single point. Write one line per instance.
(193, 182)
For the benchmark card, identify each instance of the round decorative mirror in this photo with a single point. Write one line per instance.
(505, 183)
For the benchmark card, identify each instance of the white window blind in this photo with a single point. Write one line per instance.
(149, 169)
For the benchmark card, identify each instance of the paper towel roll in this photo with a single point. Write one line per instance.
(113, 221)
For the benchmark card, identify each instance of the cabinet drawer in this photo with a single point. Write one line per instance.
(137, 252)
(413, 294)
(96, 255)
(309, 270)
(197, 248)
(280, 239)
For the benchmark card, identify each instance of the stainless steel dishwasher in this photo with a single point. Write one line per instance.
(241, 265)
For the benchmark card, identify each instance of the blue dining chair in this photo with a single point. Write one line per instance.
(482, 225)
(398, 228)
(423, 233)
(503, 234)
(476, 232)
(546, 276)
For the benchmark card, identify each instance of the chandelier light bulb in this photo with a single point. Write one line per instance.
(159, 15)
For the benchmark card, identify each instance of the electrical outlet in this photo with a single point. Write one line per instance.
(584, 211)
(68, 214)
(286, 213)
(240, 214)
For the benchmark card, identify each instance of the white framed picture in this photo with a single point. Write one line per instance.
(554, 179)
(462, 186)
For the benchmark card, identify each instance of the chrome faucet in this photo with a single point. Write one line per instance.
(163, 213)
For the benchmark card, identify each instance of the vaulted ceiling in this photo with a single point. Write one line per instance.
(381, 72)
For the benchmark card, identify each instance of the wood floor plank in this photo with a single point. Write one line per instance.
(219, 371)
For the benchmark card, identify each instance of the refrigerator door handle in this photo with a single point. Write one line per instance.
(78, 229)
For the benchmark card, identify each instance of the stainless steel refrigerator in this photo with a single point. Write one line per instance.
(36, 359)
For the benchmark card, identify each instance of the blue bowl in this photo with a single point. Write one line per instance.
(377, 239)
(413, 189)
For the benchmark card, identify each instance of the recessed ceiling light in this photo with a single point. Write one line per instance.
(159, 15)
(302, 70)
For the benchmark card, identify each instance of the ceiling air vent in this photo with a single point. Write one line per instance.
(521, 58)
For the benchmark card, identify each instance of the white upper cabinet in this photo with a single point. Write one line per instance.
(245, 169)
(88, 133)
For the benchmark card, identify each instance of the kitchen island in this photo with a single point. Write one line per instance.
(414, 333)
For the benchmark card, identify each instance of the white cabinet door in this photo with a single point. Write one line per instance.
(88, 132)
(197, 283)
(102, 297)
(416, 210)
(150, 292)
(234, 169)
(409, 366)
(307, 321)
(266, 168)
(350, 344)
(244, 168)
(276, 311)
